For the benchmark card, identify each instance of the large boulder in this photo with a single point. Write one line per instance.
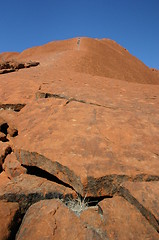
(52, 220)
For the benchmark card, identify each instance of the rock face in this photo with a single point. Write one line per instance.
(145, 197)
(79, 142)
(8, 219)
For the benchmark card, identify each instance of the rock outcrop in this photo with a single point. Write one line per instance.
(79, 143)
(12, 66)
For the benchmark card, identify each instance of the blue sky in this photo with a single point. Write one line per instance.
(134, 24)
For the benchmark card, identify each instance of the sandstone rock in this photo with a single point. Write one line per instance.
(3, 137)
(115, 218)
(124, 221)
(96, 57)
(12, 131)
(12, 167)
(59, 222)
(81, 144)
(5, 127)
(144, 196)
(28, 189)
(87, 119)
(93, 218)
(31, 64)
(8, 219)
(4, 180)
(5, 149)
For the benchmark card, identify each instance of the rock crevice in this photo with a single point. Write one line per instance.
(145, 212)
(70, 99)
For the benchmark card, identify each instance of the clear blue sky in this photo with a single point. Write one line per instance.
(132, 23)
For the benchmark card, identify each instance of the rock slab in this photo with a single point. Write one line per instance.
(8, 219)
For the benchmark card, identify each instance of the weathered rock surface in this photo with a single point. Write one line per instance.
(118, 219)
(12, 166)
(52, 220)
(28, 189)
(5, 149)
(4, 180)
(8, 219)
(6, 129)
(144, 196)
(83, 123)
(101, 155)
(123, 221)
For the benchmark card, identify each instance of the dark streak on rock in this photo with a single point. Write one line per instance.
(12, 66)
(14, 107)
(3, 71)
(70, 99)
(15, 224)
(111, 183)
(105, 186)
(36, 171)
(54, 168)
(26, 200)
(146, 213)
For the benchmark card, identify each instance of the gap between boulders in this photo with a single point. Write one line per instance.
(70, 202)
(15, 225)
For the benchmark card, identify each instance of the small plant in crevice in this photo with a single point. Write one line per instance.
(77, 205)
(80, 204)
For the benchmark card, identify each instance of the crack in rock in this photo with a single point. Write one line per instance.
(27, 190)
(146, 213)
(111, 183)
(15, 224)
(104, 186)
(70, 99)
(55, 168)
(55, 228)
(25, 201)
(13, 107)
(36, 171)
(12, 66)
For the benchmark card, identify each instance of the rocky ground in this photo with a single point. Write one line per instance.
(79, 133)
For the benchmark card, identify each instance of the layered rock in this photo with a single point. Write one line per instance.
(76, 132)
